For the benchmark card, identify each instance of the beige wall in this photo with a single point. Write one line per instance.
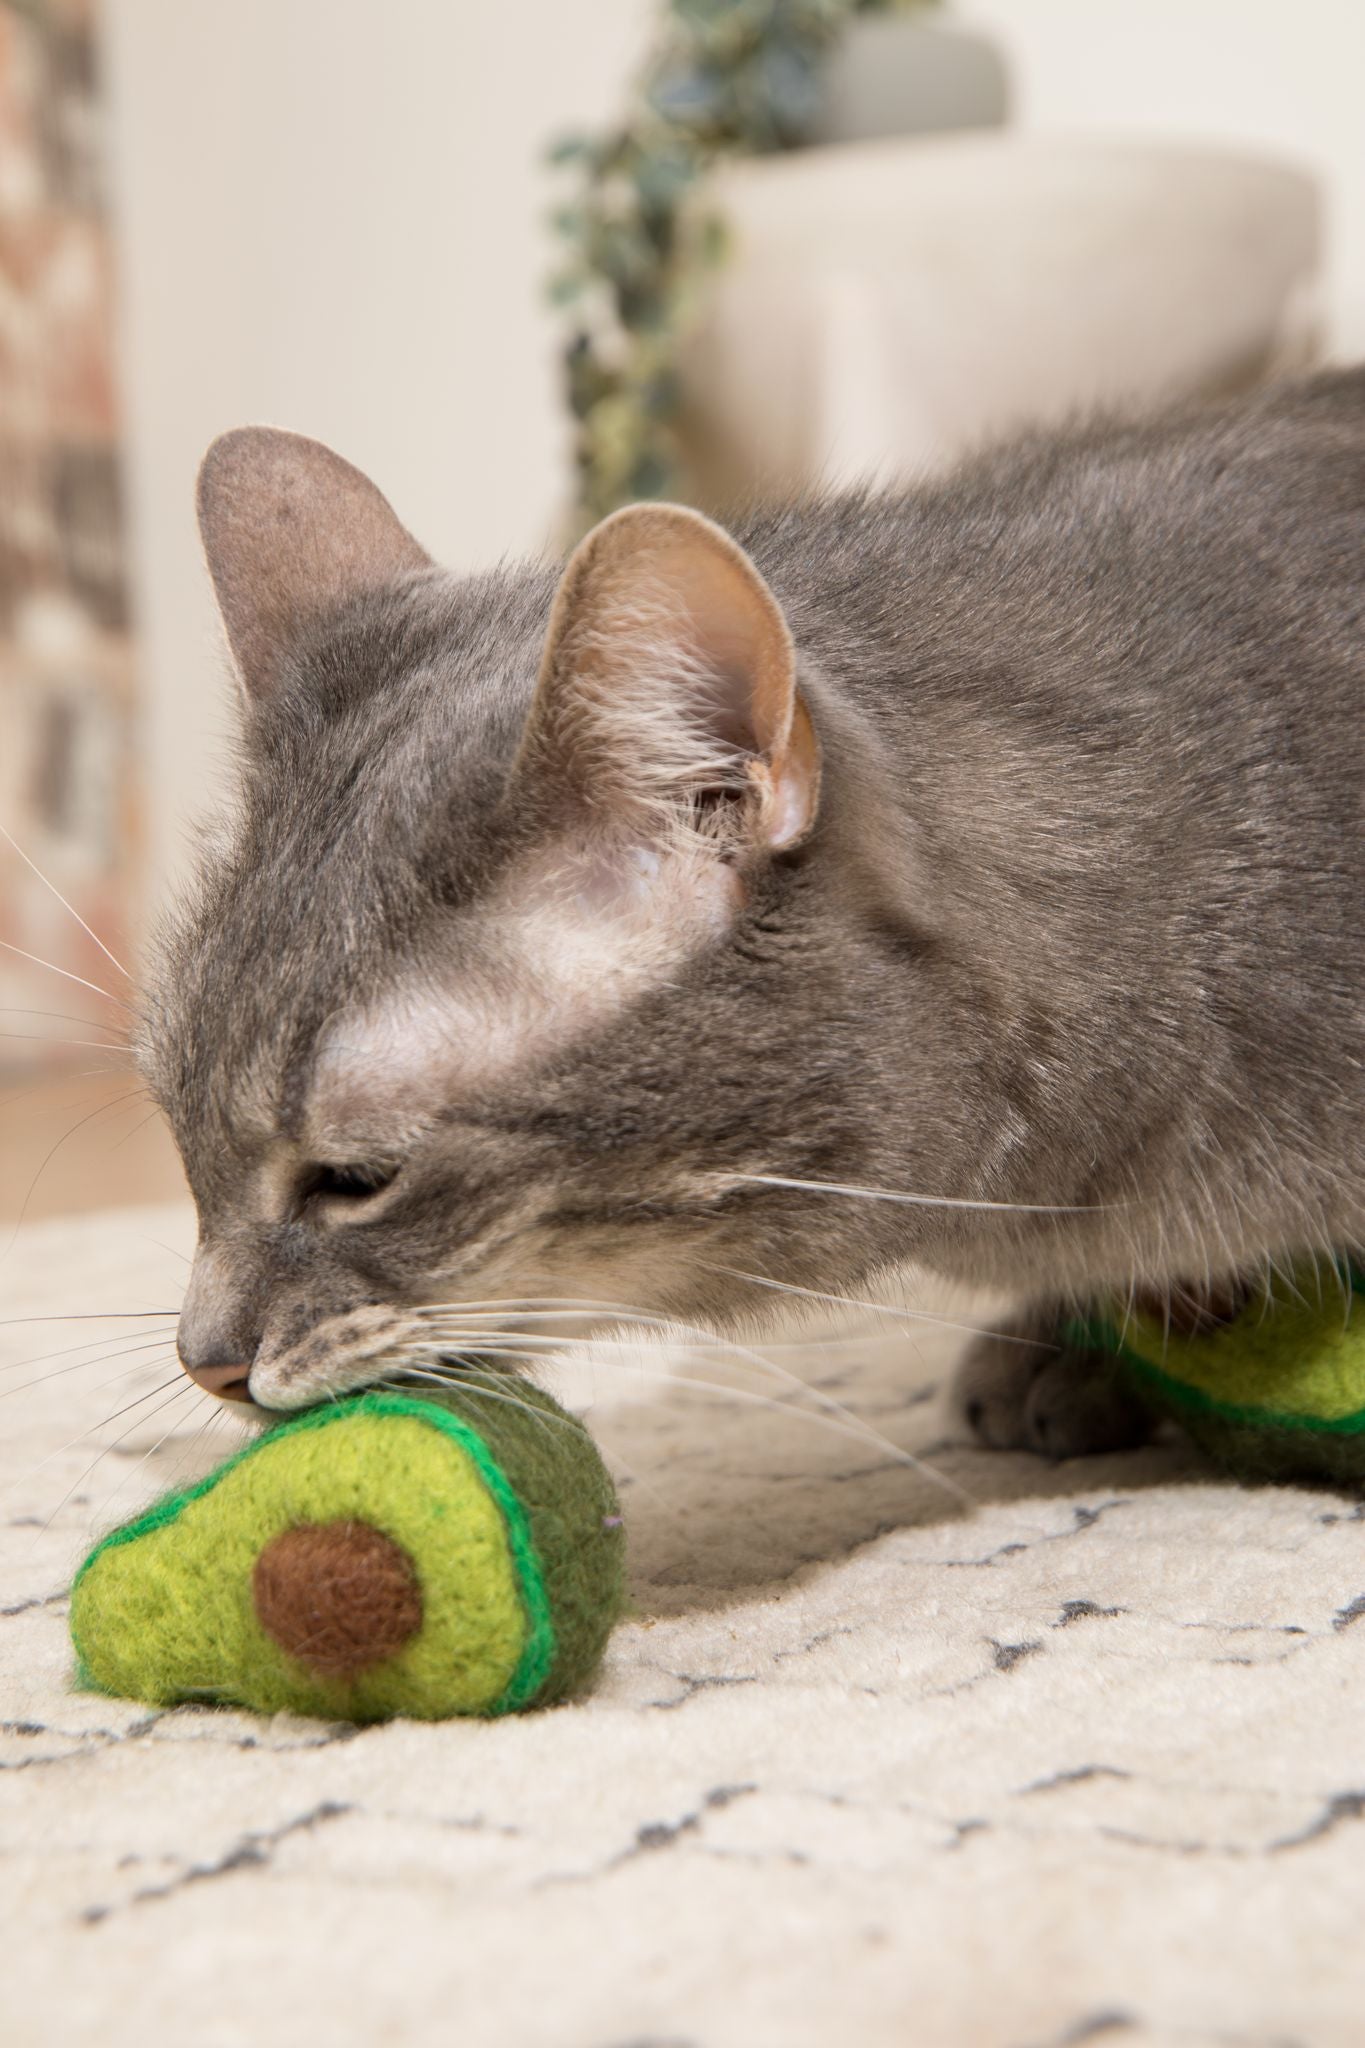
(331, 219)
(1286, 74)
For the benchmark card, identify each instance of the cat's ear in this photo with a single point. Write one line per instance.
(291, 532)
(668, 682)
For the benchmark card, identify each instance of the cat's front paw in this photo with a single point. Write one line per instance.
(1016, 1391)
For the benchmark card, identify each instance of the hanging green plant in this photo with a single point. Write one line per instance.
(729, 78)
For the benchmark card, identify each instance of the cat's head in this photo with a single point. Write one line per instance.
(518, 962)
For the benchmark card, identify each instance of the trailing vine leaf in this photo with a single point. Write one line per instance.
(729, 78)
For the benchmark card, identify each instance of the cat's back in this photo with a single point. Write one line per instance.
(1206, 568)
(1115, 679)
(1113, 519)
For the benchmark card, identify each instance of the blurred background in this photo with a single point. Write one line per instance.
(780, 242)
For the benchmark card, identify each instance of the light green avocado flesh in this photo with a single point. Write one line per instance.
(163, 1610)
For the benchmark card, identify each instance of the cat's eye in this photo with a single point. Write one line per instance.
(349, 1183)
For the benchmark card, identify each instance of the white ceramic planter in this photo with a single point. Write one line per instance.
(893, 75)
(891, 304)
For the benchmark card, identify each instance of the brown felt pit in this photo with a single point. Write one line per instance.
(338, 1596)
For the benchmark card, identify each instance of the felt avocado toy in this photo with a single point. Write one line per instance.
(1277, 1393)
(386, 1554)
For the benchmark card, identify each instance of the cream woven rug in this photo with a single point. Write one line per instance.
(1086, 1764)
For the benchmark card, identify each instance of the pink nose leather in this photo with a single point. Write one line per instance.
(228, 1382)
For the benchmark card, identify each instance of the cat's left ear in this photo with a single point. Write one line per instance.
(291, 532)
(669, 681)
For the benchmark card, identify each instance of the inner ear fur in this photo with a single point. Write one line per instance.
(669, 671)
(291, 532)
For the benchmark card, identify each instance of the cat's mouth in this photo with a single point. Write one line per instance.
(403, 1378)
(376, 1346)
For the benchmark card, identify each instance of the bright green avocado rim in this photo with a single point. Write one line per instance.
(538, 1653)
(1096, 1333)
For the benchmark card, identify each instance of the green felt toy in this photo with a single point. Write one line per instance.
(1277, 1393)
(383, 1555)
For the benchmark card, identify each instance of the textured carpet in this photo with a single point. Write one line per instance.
(1086, 1763)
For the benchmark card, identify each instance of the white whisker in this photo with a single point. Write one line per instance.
(139, 1365)
(581, 1304)
(90, 1344)
(881, 1308)
(183, 1257)
(82, 1044)
(89, 1315)
(104, 1511)
(119, 1102)
(633, 1475)
(830, 1187)
(861, 1434)
(118, 1001)
(209, 1427)
(44, 1379)
(184, 1387)
(526, 1344)
(472, 1384)
(64, 1017)
(647, 1325)
(35, 869)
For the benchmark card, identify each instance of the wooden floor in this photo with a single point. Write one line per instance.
(85, 1141)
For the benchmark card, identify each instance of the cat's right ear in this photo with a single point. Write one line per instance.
(668, 687)
(291, 533)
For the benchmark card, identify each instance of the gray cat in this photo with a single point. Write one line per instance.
(994, 849)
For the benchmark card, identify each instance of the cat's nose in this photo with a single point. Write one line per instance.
(219, 1330)
(228, 1382)
(227, 1378)
(216, 1371)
